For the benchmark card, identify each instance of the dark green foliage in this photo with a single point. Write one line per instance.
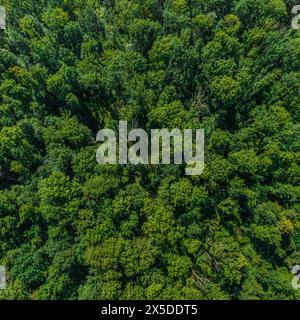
(72, 229)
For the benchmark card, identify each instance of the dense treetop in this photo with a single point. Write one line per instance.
(72, 229)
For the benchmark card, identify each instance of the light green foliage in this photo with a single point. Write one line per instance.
(72, 229)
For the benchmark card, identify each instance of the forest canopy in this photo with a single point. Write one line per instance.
(73, 229)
